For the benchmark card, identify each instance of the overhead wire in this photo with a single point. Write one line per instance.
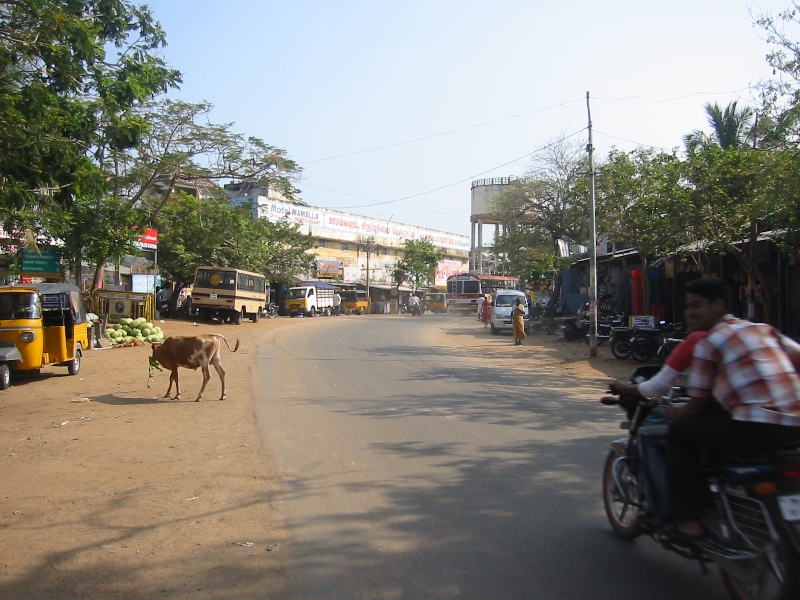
(429, 137)
(542, 148)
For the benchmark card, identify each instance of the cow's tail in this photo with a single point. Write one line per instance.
(235, 348)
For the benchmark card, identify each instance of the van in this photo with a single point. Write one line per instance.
(504, 303)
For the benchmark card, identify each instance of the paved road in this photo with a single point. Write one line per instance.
(425, 459)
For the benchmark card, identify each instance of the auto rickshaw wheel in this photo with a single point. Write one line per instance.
(5, 376)
(75, 364)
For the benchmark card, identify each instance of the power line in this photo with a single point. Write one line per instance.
(429, 137)
(546, 146)
(692, 95)
(632, 142)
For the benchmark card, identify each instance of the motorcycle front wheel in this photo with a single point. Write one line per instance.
(760, 581)
(622, 515)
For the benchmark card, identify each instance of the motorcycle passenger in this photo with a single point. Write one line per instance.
(413, 305)
(653, 434)
(745, 396)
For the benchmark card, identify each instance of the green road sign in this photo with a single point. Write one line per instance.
(46, 264)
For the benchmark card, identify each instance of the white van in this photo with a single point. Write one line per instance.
(504, 303)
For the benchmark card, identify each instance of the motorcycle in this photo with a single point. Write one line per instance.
(271, 311)
(752, 520)
(658, 341)
(620, 342)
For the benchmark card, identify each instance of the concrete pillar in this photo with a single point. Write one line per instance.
(471, 265)
(479, 265)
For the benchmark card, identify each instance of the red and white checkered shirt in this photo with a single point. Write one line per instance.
(747, 368)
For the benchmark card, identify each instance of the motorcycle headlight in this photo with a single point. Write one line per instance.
(27, 336)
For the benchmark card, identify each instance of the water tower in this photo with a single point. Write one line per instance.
(484, 191)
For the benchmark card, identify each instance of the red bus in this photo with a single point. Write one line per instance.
(463, 291)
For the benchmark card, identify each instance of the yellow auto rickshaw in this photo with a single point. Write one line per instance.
(354, 301)
(435, 303)
(41, 324)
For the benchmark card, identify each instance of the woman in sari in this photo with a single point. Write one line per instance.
(518, 320)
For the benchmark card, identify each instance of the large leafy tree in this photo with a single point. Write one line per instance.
(418, 265)
(196, 232)
(71, 74)
(547, 206)
(181, 146)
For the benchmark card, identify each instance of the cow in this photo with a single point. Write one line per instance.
(190, 352)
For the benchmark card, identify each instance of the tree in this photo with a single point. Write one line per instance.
(61, 94)
(194, 233)
(730, 128)
(548, 205)
(180, 146)
(418, 266)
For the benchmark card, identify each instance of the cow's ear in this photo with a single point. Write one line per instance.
(156, 345)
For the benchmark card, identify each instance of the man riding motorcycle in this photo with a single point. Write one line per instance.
(744, 396)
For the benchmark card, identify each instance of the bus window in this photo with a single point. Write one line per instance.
(472, 287)
(459, 287)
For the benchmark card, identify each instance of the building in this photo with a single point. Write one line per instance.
(349, 245)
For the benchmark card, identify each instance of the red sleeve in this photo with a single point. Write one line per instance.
(681, 357)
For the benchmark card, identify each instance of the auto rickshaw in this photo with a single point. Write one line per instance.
(435, 303)
(41, 324)
(354, 301)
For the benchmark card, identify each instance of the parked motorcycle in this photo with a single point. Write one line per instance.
(657, 342)
(752, 520)
(271, 311)
(620, 341)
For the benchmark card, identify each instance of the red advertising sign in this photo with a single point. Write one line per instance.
(148, 241)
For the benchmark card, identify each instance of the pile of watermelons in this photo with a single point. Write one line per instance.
(130, 329)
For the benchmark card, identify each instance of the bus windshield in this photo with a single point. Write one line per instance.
(213, 278)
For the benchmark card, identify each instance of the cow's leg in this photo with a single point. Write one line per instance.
(221, 372)
(173, 376)
(206, 377)
(177, 384)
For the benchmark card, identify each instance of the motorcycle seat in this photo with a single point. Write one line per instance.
(787, 453)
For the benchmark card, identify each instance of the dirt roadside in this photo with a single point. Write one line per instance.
(131, 496)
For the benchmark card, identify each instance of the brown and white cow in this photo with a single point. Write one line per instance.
(190, 352)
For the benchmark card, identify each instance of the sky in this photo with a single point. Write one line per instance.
(393, 108)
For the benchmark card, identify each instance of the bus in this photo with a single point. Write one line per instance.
(229, 294)
(464, 290)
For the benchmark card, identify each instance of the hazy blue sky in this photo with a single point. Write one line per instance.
(323, 79)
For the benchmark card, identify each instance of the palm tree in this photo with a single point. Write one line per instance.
(730, 127)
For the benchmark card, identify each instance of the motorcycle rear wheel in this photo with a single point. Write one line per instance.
(623, 517)
(766, 585)
(621, 349)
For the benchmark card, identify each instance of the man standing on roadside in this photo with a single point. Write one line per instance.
(745, 396)
(479, 310)
(337, 303)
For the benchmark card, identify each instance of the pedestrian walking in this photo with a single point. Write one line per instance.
(481, 302)
(337, 303)
(518, 320)
(486, 312)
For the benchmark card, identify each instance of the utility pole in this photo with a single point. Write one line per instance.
(369, 246)
(592, 243)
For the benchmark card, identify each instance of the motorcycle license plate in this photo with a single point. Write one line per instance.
(790, 507)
